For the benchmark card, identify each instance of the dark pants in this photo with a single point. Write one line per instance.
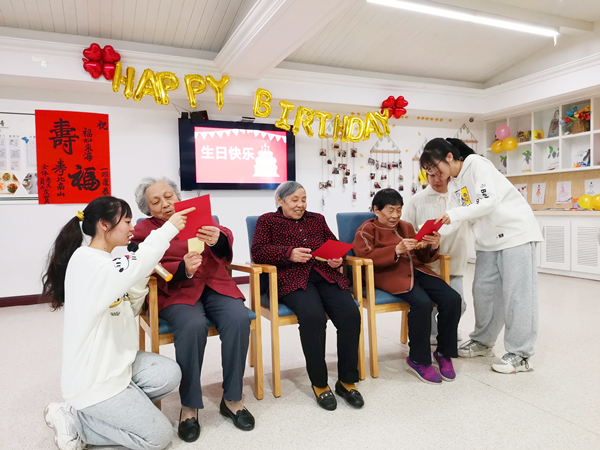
(312, 306)
(190, 334)
(426, 291)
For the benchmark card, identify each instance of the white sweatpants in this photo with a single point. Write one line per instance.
(505, 294)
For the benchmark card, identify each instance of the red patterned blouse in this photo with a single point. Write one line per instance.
(276, 236)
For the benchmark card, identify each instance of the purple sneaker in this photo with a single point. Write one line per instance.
(446, 367)
(427, 374)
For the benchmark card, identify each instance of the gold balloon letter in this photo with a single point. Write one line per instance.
(262, 99)
(323, 117)
(148, 85)
(305, 121)
(218, 87)
(167, 81)
(282, 122)
(383, 118)
(194, 84)
(126, 81)
(339, 127)
(372, 125)
(349, 129)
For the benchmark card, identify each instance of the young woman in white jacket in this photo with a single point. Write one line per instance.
(506, 233)
(109, 386)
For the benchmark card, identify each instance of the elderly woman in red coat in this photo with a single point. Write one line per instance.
(399, 266)
(312, 289)
(201, 290)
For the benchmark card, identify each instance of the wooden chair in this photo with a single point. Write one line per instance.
(378, 301)
(280, 315)
(161, 331)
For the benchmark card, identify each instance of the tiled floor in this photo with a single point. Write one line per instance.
(556, 406)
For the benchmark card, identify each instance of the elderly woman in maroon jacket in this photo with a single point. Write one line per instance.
(400, 269)
(312, 289)
(201, 290)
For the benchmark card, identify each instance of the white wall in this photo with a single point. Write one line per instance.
(144, 141)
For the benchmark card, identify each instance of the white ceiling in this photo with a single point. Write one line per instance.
(340, 34)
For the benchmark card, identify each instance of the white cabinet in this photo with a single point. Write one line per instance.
(556, 248)
(585, 245)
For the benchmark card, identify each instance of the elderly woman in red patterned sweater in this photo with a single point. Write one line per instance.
(312, 289)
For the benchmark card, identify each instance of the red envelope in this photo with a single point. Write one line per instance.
(196, 219)
(428, 228)
(332, 250)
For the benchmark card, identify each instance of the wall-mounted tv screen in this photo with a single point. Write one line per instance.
(234, 155)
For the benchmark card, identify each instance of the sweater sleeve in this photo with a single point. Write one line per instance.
(483, 180)
(137, 294)
(120, 274)
(262, 250)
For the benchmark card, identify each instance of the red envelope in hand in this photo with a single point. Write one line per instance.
(428, 228)
(196, 219)
(332, 250)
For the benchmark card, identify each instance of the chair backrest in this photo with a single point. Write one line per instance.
(348, 223)
(251, 225)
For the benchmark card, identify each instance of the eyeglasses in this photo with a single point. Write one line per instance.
(433, 170)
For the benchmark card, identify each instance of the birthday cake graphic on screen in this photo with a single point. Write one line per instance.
(265, 163)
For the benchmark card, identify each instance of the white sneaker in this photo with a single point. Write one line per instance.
(472, 348)
(433, 339)
(458, 335)
(511, 363)
(59, 417)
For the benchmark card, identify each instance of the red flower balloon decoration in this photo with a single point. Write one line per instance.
(100, 61)
(395, 106)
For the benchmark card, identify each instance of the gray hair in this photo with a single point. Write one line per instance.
(285, 189)
(140, 191)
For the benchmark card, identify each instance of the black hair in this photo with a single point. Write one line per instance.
(387, 197)
(69, 239)
(437, 149)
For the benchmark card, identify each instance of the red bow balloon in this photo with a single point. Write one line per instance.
(100, 61)
(395, 106)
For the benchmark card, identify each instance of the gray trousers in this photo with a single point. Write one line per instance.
(456, 283)
(130, 418)
(190, 334)
(505, 294)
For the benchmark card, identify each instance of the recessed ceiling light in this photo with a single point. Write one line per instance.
(468, 15)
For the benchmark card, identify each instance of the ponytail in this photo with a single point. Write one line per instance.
(69, 239)
(437, 149)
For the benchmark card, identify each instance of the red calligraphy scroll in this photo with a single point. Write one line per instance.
(73, 156)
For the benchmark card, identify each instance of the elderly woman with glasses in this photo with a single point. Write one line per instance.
(312, 289)
(201, 290)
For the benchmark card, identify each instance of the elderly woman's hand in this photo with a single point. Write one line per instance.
(209, 234)
(335, 263)
(432, 240)
(192, 262)
(300, 255)
(406, 245)
(178, 219)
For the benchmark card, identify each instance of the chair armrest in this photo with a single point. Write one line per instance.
(353, 261)
(266, 268)
(364, 261)
(246, 268)
(445, 267)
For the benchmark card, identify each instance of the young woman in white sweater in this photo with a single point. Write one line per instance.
(109, 386)
(506, 233)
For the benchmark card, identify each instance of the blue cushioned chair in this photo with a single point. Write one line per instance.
(280, 315)
(376, 300)
(161, 331)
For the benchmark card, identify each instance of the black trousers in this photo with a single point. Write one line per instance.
(312, 306)
(426, 291)
(190, 334)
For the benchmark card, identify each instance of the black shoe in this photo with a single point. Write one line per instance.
(241, 419)
(326, 400)
(189, 429)
(351, 396)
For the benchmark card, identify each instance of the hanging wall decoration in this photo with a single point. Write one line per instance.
(419, 176)
(100, 61)
(386, 165)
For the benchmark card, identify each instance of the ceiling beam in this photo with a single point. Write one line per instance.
(565, 25)
(271, 31)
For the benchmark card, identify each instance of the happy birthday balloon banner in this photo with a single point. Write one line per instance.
(157, 85)
(347, 129)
